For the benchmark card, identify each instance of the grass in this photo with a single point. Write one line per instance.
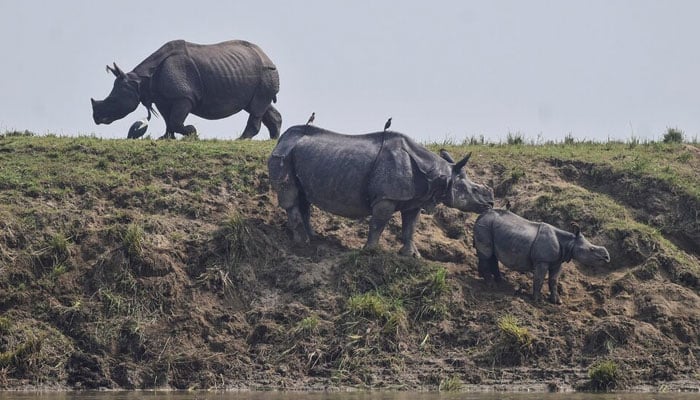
(451, 384)
(134, 239)
(512, 333)
(605, 376)
(307, 326)
(513, 343)
(655, 160)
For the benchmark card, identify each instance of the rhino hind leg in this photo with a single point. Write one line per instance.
(252, 127)
(272, 119)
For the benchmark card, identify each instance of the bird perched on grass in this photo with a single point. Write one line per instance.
(387, 124)
(137, 129)
(311, 118)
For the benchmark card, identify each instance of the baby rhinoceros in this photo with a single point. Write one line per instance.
(523, 245)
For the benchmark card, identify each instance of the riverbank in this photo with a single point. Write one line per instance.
(142, 264)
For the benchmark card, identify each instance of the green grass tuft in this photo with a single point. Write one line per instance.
(133, 240)
(605, 376)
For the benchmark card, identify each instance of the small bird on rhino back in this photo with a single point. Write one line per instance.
(387, 124)
(311, 119)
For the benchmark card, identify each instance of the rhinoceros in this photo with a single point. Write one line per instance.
(373, 174)
(211, 81)
(524, 245)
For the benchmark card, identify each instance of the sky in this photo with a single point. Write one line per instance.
(444, 70)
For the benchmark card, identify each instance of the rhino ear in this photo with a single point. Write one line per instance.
(458, 167)
(446, 156)
(116, 71)
(576, 229)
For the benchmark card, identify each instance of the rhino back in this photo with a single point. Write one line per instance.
(513, 237)
(220, 79)
(231, 73)
(333, 171)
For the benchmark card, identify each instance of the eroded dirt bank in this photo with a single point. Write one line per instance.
(141, 265)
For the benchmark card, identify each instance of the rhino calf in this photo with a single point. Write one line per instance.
(523, 245)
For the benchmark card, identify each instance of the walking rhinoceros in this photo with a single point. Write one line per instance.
(211, 81)
(523, 245)
(374, 174)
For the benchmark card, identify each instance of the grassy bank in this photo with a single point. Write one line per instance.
(142, 264)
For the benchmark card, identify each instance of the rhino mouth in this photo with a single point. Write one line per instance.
(104, 120)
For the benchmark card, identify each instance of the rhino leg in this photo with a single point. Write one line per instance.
(305, 211)
(409, 220)
(488, 267)
(381, 214)
(252, 127)
(293, 201)
(175, 119)
(554, 272)
(272, 119)
(541, 269)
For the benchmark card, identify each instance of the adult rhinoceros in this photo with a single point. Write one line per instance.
(211, 81)
(374, 174)
(523, 245)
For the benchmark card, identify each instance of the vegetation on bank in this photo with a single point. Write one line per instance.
(140, 264)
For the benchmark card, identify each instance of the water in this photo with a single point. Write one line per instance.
(339, 396)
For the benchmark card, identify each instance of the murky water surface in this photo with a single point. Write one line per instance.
(339, 396)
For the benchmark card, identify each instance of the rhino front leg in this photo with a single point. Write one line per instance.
(540, 271)
(409, 220)
(381, 213)
(554, 273)
(272, 119)
(488, 268)
(296, 225)
(175, 120)
(305, 211)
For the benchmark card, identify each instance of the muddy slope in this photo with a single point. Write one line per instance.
(142, 265)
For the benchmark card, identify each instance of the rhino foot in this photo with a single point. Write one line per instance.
(537, 298)
(410, 251)
(554, 299)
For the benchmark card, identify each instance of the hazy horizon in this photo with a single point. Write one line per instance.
(451, 70)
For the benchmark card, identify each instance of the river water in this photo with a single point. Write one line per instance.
(151, 395)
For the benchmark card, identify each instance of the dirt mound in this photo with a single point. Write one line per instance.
(180, 273)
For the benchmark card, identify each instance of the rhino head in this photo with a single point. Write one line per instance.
(587, 253)
(462, 193)
(122, 100)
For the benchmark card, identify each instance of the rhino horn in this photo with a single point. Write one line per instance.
(461, 163)
(446, 156)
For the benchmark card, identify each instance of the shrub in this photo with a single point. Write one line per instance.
(673, 135)
(515, 139)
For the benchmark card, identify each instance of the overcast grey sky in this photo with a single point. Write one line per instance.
(597, 69)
